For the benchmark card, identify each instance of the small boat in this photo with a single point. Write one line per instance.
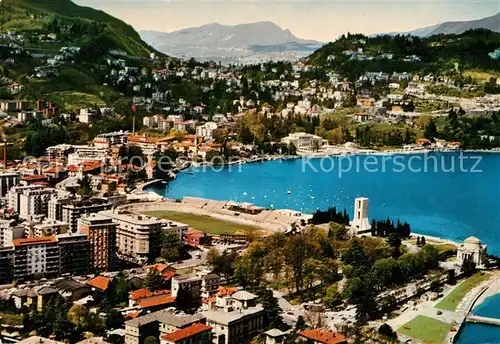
(288, 192)
(190, 172)
(244, 194)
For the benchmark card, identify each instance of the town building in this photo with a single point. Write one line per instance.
(101, 233)
(157, 324)
(189, 282)
(134, 231)
(235, 318)
(113, 138)
(74, 253)
(87, 116)
(206, 130)
(74, 209)
(36, 257)
(275, 336)
(6, 264)
(34, 202)
(472, 249)
(321, 336)
(82, 154)
(47, 227)
(7, 181)
(13, 196)
(303, 141)
(194, 334)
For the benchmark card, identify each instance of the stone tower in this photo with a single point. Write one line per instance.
(360, 223)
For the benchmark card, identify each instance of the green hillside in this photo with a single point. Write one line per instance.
(73, 24)
(353, 55)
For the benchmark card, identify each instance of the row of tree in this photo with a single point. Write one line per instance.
(387, 227)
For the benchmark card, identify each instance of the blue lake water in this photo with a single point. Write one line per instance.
(452, 205)
(483, 334)
(435, 201)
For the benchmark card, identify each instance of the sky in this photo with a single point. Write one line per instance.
(322, 20)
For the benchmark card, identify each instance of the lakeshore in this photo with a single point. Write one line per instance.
(461, 205)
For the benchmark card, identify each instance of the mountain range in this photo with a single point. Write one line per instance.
(91, 27)
(456, 27)
(216, 41)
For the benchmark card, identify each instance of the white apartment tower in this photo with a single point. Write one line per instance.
(360, 223)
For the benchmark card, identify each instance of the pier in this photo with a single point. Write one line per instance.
(482, 320)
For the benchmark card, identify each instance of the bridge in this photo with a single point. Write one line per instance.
(482, 320)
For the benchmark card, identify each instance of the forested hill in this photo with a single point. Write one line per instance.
(353, 55)
(74, 25)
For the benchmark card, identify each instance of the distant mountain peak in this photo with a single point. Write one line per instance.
(457, 27)
(215, 40)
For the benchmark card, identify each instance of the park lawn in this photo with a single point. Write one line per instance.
(205, 223)
(480, 75)
(72, 100)
(450, 302)
(426, 329)
(446, 248)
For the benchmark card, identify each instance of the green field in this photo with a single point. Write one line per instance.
(426, 329)
(72, 100)
(450, 302)
(204, 223)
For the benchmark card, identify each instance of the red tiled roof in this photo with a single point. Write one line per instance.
(34, 177)
(146, 293)
(187, 332)
(210, 300)
(226, 291)
(324, 336)
(158, 267)
(34, 241)
(54, 169)
(100, 282)
(156, 301)
(167, 275)
(132, 315)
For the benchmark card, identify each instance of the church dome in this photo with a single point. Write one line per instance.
(472, 243)
(472, 240)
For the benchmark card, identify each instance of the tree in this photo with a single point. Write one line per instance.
(114, 319)
(272, 310)
(332, 296)
(468, 267)
(418, 242)
(79, 316)
(164, 244)
(337, 231)
(151, 340)
(296, 249)
(118, 292)
(387, 331)
(356, 257)
(155, 280)
(300, 325)
(422, 241)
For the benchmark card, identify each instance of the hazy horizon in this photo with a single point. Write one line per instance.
(318, 20)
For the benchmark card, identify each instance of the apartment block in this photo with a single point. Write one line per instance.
(74, 254)
(75, 209)
(101, 233)
(133, 233)
(36, 257)
(7, 181)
